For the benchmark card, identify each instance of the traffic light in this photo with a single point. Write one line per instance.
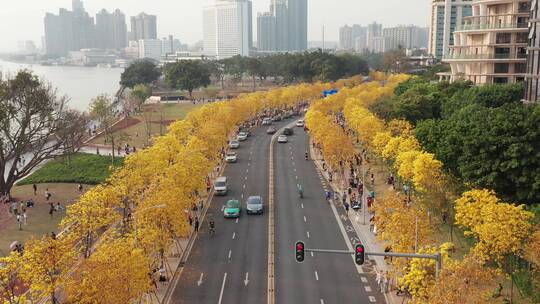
(299, 249)
(359, 254)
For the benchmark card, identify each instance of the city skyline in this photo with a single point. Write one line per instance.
(178, 19)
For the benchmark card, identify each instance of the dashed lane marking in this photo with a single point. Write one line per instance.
(367, 288)
(308, 234)
(372, 299)
(363, 279)
(234, 235)
(230, 253)
(222, 288)
(236, 220)
(312, 255)
(305, 219)
(302, 205)
(322, 301)
(244, 186)
(316, 276)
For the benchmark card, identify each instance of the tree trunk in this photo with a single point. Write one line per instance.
(112, 154)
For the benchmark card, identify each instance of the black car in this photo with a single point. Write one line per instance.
(288, 131)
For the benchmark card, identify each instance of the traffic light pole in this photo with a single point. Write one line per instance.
(437, 257)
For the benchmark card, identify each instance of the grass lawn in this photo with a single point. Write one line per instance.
(136, 134)
(39, 221)
(83, 168)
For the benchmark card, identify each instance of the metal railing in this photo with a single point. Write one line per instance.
(492, 26)
(510, 56)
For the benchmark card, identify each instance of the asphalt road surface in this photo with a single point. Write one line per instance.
(231, 267)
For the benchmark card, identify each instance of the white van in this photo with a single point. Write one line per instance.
(220, 186)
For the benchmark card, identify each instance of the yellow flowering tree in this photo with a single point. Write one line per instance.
(11, 285)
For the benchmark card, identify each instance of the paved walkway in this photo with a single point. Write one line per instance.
(359, 220)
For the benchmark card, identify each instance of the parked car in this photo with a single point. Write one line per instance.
(232, 209)
(282, 139)
(231, 157)
(267, 122)
(242, 136)
(300, 123)
(271, 130)
(220, 186)
(288, 131)
(234, 144)
(254, 205)
(246, 130)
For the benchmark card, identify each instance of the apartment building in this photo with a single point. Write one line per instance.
(491, 45)
(532, 81)
(446, 15)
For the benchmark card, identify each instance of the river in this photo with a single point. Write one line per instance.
(79, 84)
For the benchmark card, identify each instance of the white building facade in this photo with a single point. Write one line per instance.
(446, 16)
(150, 48)
(227, 28)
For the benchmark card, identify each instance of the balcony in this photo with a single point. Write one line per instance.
(485, 56)
(491, 26)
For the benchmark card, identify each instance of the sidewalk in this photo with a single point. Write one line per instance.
(360, 222)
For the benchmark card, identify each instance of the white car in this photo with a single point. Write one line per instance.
(234, 144)
(266, 122)
(231, 157)
(282, 139)
(300, 123)
(242, 136)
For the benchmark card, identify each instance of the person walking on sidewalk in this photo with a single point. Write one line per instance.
(34, 186)
(196, 224)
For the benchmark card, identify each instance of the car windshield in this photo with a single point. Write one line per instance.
(234, 142)
(232, 204)
(220, 184)
(254, 201)
(231, 154)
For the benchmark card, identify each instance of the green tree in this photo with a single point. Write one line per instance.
(187, 75)
(142, 71)
(102, 111)
(418, 103)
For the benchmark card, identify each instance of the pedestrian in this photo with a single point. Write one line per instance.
(196, 224)
(385, 282)
(346, 207)
(190, 219)
(59, 207)
(25, 216)
(51, 209)
(47, 194)
(378, 278)
(80, 187)
(19, 221)
(53, 235)
(34, 186)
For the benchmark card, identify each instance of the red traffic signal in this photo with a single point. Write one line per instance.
(300, 251)
(359, 254)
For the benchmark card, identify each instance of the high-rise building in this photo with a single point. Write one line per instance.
(346, 40)
(69, 30)
(150, 48)
(279, 10)
(491, 45)
(111, 30)
(266, 32)
(532, 79)
(446, 15)
(298, 24)
(227, 28)
(379, 44)
(405, 36)
(374, 30)
(143, 26)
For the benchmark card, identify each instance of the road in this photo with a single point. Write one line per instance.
(322, 278)
(232, 266)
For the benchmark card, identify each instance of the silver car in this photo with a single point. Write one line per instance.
(254, 205)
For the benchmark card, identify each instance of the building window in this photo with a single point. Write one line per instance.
(522, 37)
(500, 80)
(520, 68)
(502, 53)
(501, 68)
(503, 38)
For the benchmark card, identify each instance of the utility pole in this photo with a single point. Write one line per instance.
(323, 46)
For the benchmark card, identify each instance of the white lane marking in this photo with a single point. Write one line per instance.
(222, 208)
(363, 279)
(316, 275)
(293, 164)
(222, 288)
(294, 169)
(245, 178)
(230, 253)
(308, 234)
(242, 196)
(305, 219)
(200, 281)
(372, 299)
(322, 301)
(249, 164)
(247, 170)
(312, 254)
(367, 288)
(296, 177)
(246, 281)
(302, 205)
(234, 235)
(244, 186)
(236, 220)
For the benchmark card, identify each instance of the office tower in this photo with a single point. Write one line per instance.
(150, 48)
(279, 10)
(378, 44)
(266, 32)
(119, 30)
(226, 28)
(405, 36)
(298, 24)
(532, 79)
(346, 40)
(446, 15)
(111, 30)
(69, 30)
(374, 30)
(491, 45)
(143, 26)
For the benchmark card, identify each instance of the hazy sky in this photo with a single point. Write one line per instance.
(23, 19)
